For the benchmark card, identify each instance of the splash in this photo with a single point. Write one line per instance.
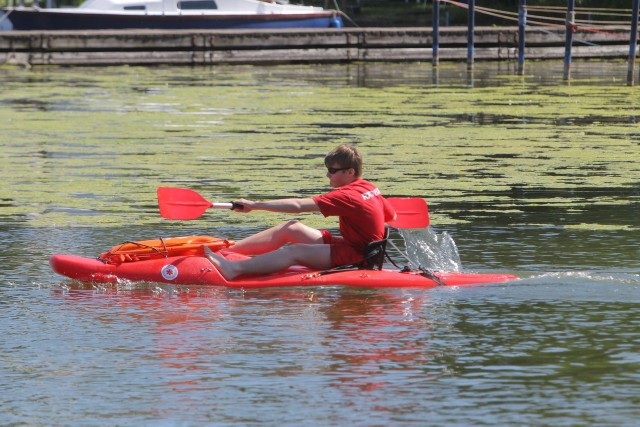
(434, 251)
(590, 276)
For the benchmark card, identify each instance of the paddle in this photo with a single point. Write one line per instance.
(412, 212)
(184, 204)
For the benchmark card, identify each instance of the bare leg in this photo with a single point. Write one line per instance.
(316, 256)
(276, 237)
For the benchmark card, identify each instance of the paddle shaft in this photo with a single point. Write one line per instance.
(224, 205)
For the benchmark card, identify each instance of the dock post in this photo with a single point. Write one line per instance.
(633, 42)
(471, 23)
(436, 33)
(570, 26)
(522, 24)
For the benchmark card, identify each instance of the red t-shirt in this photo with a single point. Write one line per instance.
(361, 209)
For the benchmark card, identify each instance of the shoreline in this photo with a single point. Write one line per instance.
(210, 47)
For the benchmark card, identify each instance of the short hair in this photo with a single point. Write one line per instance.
(346, 156)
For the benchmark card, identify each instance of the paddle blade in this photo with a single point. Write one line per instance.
(412, 212)
(181, 203)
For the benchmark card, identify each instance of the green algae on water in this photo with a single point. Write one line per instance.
(89, 146)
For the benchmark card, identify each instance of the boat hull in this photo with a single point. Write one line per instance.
(44, 19)
(197, 270)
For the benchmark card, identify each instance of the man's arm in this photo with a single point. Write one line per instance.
(279, 205)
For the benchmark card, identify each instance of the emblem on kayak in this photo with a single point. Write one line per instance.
(169, 272)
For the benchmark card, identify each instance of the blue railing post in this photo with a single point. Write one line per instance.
(522, 24)
(436, 33)
(633, 42)
(570, 24)
(471, 23)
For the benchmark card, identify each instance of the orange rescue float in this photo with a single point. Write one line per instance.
(162, 248)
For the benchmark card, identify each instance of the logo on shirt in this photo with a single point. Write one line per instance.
(371, 194)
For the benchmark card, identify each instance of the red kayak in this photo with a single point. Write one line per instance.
(181, 261)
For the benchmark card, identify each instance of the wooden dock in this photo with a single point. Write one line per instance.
(210, 47)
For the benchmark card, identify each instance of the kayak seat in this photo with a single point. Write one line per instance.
(374, 254)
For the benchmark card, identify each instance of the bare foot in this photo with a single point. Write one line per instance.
(225, 267)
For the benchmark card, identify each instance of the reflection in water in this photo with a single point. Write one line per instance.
(361, 336)
(380, 343)
(369, 353)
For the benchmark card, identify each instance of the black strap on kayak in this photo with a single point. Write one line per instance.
(164, 253)
(375, 254)
(423, 271)
(430, 275)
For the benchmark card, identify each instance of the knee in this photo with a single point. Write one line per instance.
(291, 229)
(310, 255)
(293, 253)
(286, 232)
(296, 232)
(292, 225)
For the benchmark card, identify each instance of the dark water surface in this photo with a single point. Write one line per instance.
(529, 176)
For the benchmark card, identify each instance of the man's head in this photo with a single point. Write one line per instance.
(344, 165)
(345, 156)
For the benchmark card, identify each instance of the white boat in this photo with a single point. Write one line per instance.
(173, 14)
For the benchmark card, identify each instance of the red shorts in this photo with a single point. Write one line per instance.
(342, 253)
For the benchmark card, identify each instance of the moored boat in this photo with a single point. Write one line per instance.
(173, 14)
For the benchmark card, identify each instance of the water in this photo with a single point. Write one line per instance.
(526, 175)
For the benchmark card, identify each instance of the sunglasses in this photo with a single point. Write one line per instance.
(334, 170)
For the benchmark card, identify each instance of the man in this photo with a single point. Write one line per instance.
(359, 205)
